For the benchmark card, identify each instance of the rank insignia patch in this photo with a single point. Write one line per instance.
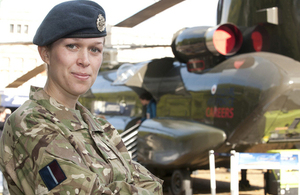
(52, 175)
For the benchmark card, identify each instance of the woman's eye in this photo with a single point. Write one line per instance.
(71, 46)
(95, 50)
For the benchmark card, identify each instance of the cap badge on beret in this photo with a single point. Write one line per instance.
(101, 23)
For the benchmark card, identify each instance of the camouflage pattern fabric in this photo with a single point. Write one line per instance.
(87, 150)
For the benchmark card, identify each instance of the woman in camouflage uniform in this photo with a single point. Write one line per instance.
(54, 145)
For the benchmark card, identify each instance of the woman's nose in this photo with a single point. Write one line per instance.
(83, 58)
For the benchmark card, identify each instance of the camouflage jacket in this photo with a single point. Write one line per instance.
(47, 148)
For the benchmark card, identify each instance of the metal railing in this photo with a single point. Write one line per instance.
(129, 137)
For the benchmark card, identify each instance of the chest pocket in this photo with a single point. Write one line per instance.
(120, 169)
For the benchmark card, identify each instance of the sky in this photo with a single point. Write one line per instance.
(188, 13)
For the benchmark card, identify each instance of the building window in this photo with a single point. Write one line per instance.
(26, 29)
(19, 28)
(11, 28)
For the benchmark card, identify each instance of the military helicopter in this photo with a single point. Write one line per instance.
(231, 86)
(235, 85)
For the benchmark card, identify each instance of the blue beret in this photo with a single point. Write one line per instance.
(71, 19)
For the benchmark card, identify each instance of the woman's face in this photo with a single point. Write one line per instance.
(73, 64)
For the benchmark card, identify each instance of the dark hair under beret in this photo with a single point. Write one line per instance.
(71, 19)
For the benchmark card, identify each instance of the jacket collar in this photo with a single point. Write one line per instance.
(69, 117)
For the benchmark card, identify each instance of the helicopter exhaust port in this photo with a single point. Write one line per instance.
(204, 47)
(225, 39)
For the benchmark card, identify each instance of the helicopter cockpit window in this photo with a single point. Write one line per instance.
(127, 71)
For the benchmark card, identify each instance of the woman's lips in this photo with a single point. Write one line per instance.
(81, 76)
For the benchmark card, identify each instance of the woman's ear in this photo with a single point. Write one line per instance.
(44, 53)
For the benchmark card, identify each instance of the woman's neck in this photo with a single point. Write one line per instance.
(61, 96)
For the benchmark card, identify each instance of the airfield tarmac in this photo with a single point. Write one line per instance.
(201, 182)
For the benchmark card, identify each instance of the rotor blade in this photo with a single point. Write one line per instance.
(148, 13)
(30, 74)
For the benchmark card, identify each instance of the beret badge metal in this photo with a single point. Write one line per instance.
(101, 23)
